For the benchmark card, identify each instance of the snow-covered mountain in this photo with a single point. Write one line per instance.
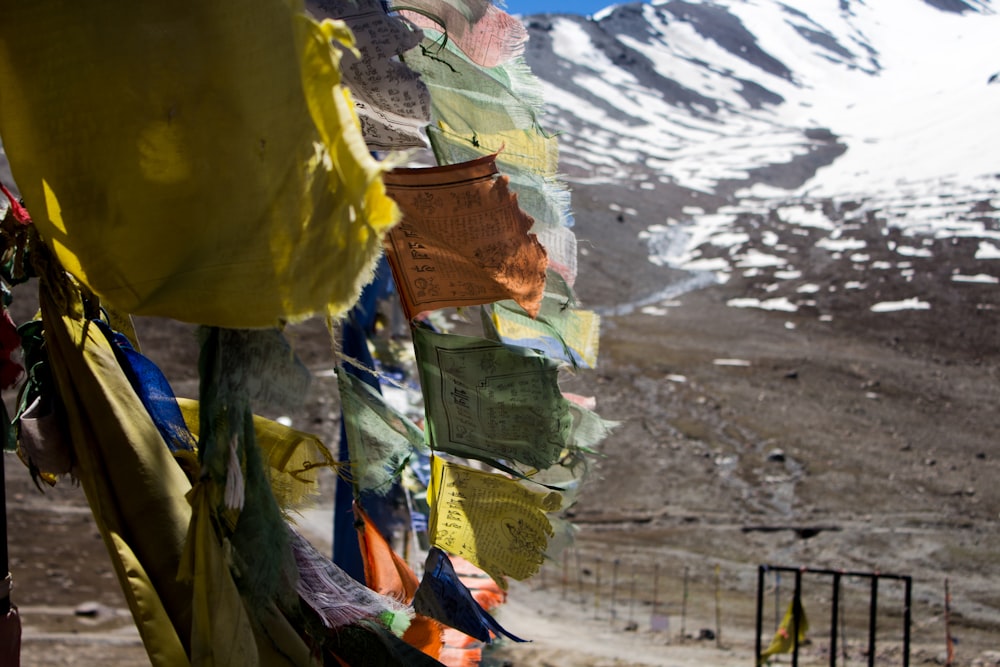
(807, 148)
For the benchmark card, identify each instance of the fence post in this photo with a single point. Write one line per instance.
(579, 578)
(565, 571)
(656, 587)
(761, 569)
(631, 594)
(907, 600)
(718, 606)
(834, 616)
(796, 613)
(684, 607)
(597, 589)
(948, 641)
(614, 588)
(872, 620)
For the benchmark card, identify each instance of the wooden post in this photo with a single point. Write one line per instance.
(684, 606)
(718, 608)
(949, 642)
(631, 594)
(597, 588)
(614, 587)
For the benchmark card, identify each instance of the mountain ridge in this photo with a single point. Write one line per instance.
(690, 129)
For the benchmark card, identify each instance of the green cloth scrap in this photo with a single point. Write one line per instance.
(380, 440)
(491, 402)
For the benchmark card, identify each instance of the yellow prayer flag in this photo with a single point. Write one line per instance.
(294, 458)
(496, 523)
(783, 640)
(199, 161)
(128, 475)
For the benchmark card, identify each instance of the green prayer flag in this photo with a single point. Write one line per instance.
(470, 98)
(491, 402)
(380, 440)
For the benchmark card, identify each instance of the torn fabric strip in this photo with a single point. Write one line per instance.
(380, 439)
(443, 595)
(485, 33)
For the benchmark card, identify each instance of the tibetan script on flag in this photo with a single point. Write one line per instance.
(463, 240)
(491, 402)
(496, 523)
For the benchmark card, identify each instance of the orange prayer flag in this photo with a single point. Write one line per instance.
(385, 572)
(427, 635)
(460, 650)
(388, 574)
(463, 240)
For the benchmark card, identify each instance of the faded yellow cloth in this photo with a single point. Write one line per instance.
(294, 458)
(134, 487)
(221, 634)
(180, 591)
(784, 640)
(199, 161)
(495, 523)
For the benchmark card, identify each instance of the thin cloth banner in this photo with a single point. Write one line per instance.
(497, 524)
(362, 626)
(128, 475)
(529, 158)
(485, 33)
(392, 102)
(385, 572)
(388, 574)
(443, 596)
(294, 458)
(152, 387)
(380, 439)
(234, 189)
(471, 99)
(783, 641)
(559, 331)
(490, 402)
(569, 335)
(463, 240)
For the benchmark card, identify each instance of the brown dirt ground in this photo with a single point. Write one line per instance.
(865, 444)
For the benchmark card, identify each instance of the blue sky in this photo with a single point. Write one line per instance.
(584, 7)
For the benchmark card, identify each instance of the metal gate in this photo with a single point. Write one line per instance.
(836, 576)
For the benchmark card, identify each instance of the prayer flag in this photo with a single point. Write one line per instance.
(559, 331)
(530, 159)
(783, 641)
(294, 458)
(463, 240)
(491, 402)
(212, 169)
(385, 572)
(337, 600)
(498, 524)
(472, 99)
(443, 595)
(391, 101)
(485, 33)
(128, 475)
(379, 438)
